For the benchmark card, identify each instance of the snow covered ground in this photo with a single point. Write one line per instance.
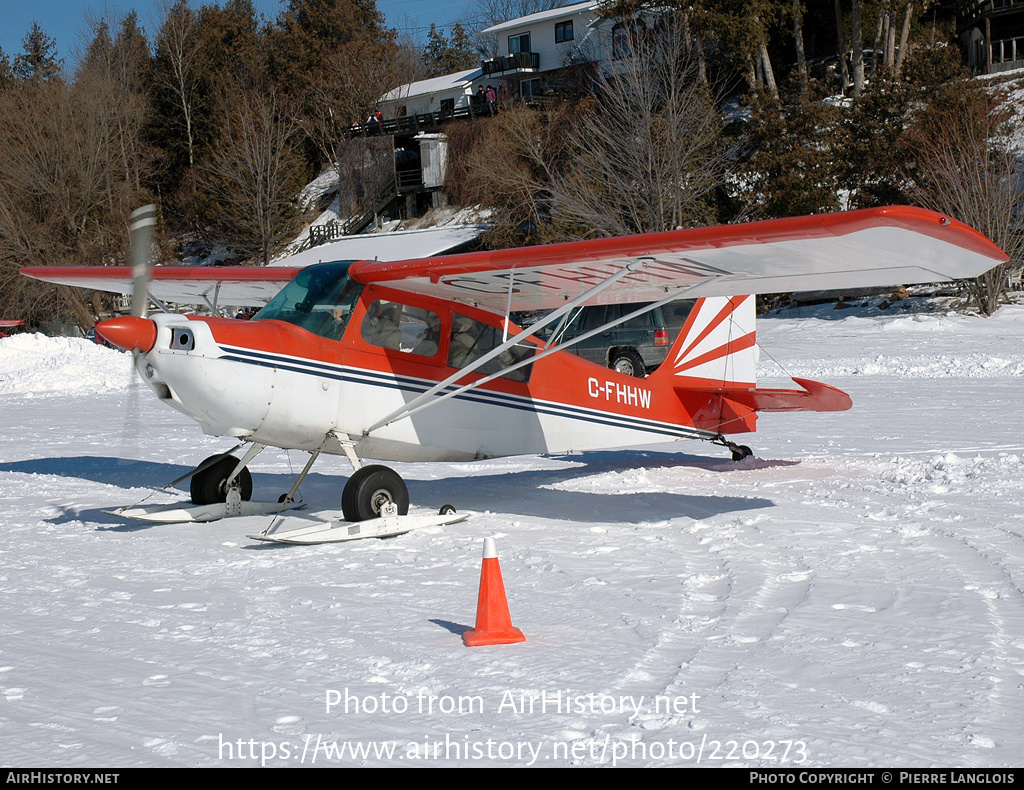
(854, 596)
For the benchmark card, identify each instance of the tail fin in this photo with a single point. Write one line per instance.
(712, 368)
(715, 348)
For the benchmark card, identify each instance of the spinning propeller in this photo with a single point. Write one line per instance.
(136, 333)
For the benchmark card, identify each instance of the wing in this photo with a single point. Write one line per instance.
(250, 286)
(897, 245)
(254, 286)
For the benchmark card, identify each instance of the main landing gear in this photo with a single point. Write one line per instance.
(370, 490)
(374, 504)
(740, 451)
(368, 493)
(220, 486)
(375, 501)
(214, 481)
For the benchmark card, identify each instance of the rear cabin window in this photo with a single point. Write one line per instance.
(471, 339)
(402, 327)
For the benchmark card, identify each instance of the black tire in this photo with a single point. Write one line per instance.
(626, 360)
(207, 487)
(741, 451)
(369, 489)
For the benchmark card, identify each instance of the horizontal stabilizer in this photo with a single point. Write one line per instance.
(814, 396)
(734, 410)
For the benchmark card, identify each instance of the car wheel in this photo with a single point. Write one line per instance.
(626, 360)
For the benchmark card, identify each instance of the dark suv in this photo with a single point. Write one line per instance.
(634, 347)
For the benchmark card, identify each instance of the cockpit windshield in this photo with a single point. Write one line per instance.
(319, 299)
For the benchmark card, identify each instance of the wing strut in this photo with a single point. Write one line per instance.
(418, 403)
(629, 268)
(214, 309)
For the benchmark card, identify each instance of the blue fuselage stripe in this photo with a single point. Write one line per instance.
(413, 385)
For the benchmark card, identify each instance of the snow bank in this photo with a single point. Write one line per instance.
(33, 365)
(912, 346)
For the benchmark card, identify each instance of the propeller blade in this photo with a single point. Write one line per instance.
(143, 220)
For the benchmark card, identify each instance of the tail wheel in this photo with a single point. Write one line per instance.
(740, 451)
(369, 489)
(210, 486)
(628, 361)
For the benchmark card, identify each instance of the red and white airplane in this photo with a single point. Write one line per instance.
(419, 360)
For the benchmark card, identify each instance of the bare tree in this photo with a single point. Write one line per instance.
(879, 30)
(178, 49)
(647, 153)
(114, 72)
(178, 44)
(487, 13)
(857, 35)
(346, 94)
(642, 152)
(904, 36)
(70, 171)
(962, 166)
(255, 170)
(844, 69)
(366, 166)
(797, 12)
(511, 168)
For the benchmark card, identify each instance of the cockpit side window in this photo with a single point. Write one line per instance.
(320, 299)
(402, 327)
(471, 339)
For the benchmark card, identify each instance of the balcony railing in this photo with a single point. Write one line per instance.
(424, 122)
(520, 61)
(1007, 54)
(973, 9)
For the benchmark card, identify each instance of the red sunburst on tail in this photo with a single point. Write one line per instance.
(712, 367)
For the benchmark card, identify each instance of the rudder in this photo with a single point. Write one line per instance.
(716, 347)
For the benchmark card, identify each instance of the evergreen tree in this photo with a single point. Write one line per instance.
(38, 61)
(99, 49)
(132, 49)
(6, 74)
(449, 55)
(231, 41)
(333, 59)
(309, 32)
(794, 161)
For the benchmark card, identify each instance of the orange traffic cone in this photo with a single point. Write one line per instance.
(493, 621)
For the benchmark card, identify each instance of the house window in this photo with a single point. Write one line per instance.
(528, 88)
(447, 106)
(520, 43)
(563, 31)
(620, 41)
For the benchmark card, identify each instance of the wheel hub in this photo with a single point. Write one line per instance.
(379, 499)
